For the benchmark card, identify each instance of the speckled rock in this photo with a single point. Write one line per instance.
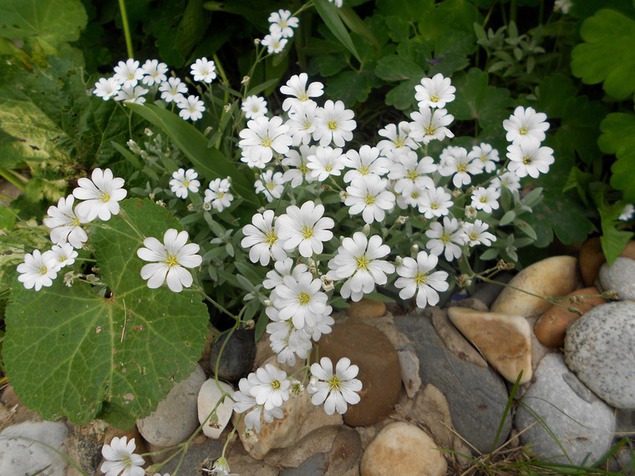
(30, 448)
(619, 277)
(555, 276)
(176, 416)
(599, 349)
(550, 329)
(207, 402)
(238, 355)
(379, 370)
(402, 448)
(366, 308)
(83, 446)
(504, 340)
(582, 423)
(476, 414)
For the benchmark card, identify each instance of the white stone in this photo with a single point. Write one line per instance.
(208, 398)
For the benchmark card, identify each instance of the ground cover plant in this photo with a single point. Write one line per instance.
(174, 173)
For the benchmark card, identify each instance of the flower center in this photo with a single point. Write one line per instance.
(271, 186)
(434, 98)
(303, 97)
(43, 270)
(399, 143)
(75, 221)
(362, 262)
(369, 199)
(304, 298)
(220, 194)
(328, 168)
(364, 170)
(473, 236)
(461, 167)
(275, 384)
(413, 174)
(483, 199)
(104, 197)
(271, 238)
(445, 238)
(171, 261)
(523, 130)
(430, 130)
(186, 183)
(303, 168)
(527, 160)
(332, 125)
(266, 142)
(307, 232)
(421, 279)
(334, 383)
(434, 205)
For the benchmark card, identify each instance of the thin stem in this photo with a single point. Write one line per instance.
(126, 27)
(13, 177)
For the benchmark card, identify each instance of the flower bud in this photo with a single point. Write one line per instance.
(366, 229)
(414, 249)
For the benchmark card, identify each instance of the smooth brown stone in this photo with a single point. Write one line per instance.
(366, 308)
(591, 258)
(551, 328)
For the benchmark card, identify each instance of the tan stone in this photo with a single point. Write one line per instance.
(401, 448)
(551, 277)
(366, 308)
(453, 339)
(551, 328)
(504, 340)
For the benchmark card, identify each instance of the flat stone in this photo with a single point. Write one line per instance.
(176, 416)
(477, 396)
(454, 340)
(504, 340)
(379, 370)
(551, 277)
(366, 308)
(213, 415)
(238, 355)
(402, 448)
(30, 448)
(599, 349)
(199, 450)
(619, 277)
(83, 446)
(551, 327)
(581, 422)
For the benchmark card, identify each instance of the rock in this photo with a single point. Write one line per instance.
(551, 277)
(379, 369)
(199, 450)
(552, 325)
(599, 349)
(402, 448)
(238, 355)
(488, 292)
(469, 303)
(504, 340)
(83, 446)
(242, 463)
(366, 308)
(538, 350)
(453, 339)
(207, 402)
(300, 419)
(410, 376)
(29, 448)
(591, 258)
(625, 422)
(476, 396)
(619, 277)
(176, 416)
(581, 422)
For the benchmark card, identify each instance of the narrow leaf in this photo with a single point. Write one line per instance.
(331, 17)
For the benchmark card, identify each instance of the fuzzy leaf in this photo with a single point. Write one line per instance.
(618, 137)
(352, 87)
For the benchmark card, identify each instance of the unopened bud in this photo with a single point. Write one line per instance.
(250, 324)
(245, 80)
(268, 302)
(366, 229)
(398, 261)
(257, 41)
(401, 220)
(414, 249)
(148, 132)
(343, 196)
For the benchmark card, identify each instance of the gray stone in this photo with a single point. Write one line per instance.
(24, 449)
(200, 449)
(238, 355)
(477, 396)
(176, 416)
(599, 349)
(83, 446)
(316, 465)
(620, 277)
(488, 292)
(583, 428)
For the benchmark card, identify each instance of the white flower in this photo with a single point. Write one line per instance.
(508, 180)
(101, 195)
(435, 92)
(337, 3)
(446, 238)
(154, 72)
(485, 199)
(430, 124)
(457, 163)
(297, 161)
(261, 138)
(270, 184)
(282, 22)
(65, 224)
(244, 401)
(415, 277)
(369, 196)
(301, 122)
(217, 194)
(475, 234)
(529, 158)
(288, 342)
(305, 228)
(270, 387)
(120, 458)
(336, 390)
(262, 237)
(169, 260)
(365, 162)
(324, 162)
(283, 268)
(131, 94)
(300, 300)
(485, 156)
(296, 88)
(38, 269)
(627, 212)
(435, 202)
(254, 106)
(128, 73)
(203, 70)
(274, 42)
(397, 138)
(173, 90)
(562, 6)
(191, 108)
(184, 181)
(64, 254)
(410, 173)
(334, 124)
(358, 259)
(220, 467)
(106, 88)
(526, 124)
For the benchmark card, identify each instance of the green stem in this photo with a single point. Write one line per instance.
(13, 178)
(126, 27)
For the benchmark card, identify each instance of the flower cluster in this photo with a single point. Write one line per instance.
(131, 82)
(281, 25)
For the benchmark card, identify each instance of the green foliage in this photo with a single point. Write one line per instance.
(74, 352)
(618, 137)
